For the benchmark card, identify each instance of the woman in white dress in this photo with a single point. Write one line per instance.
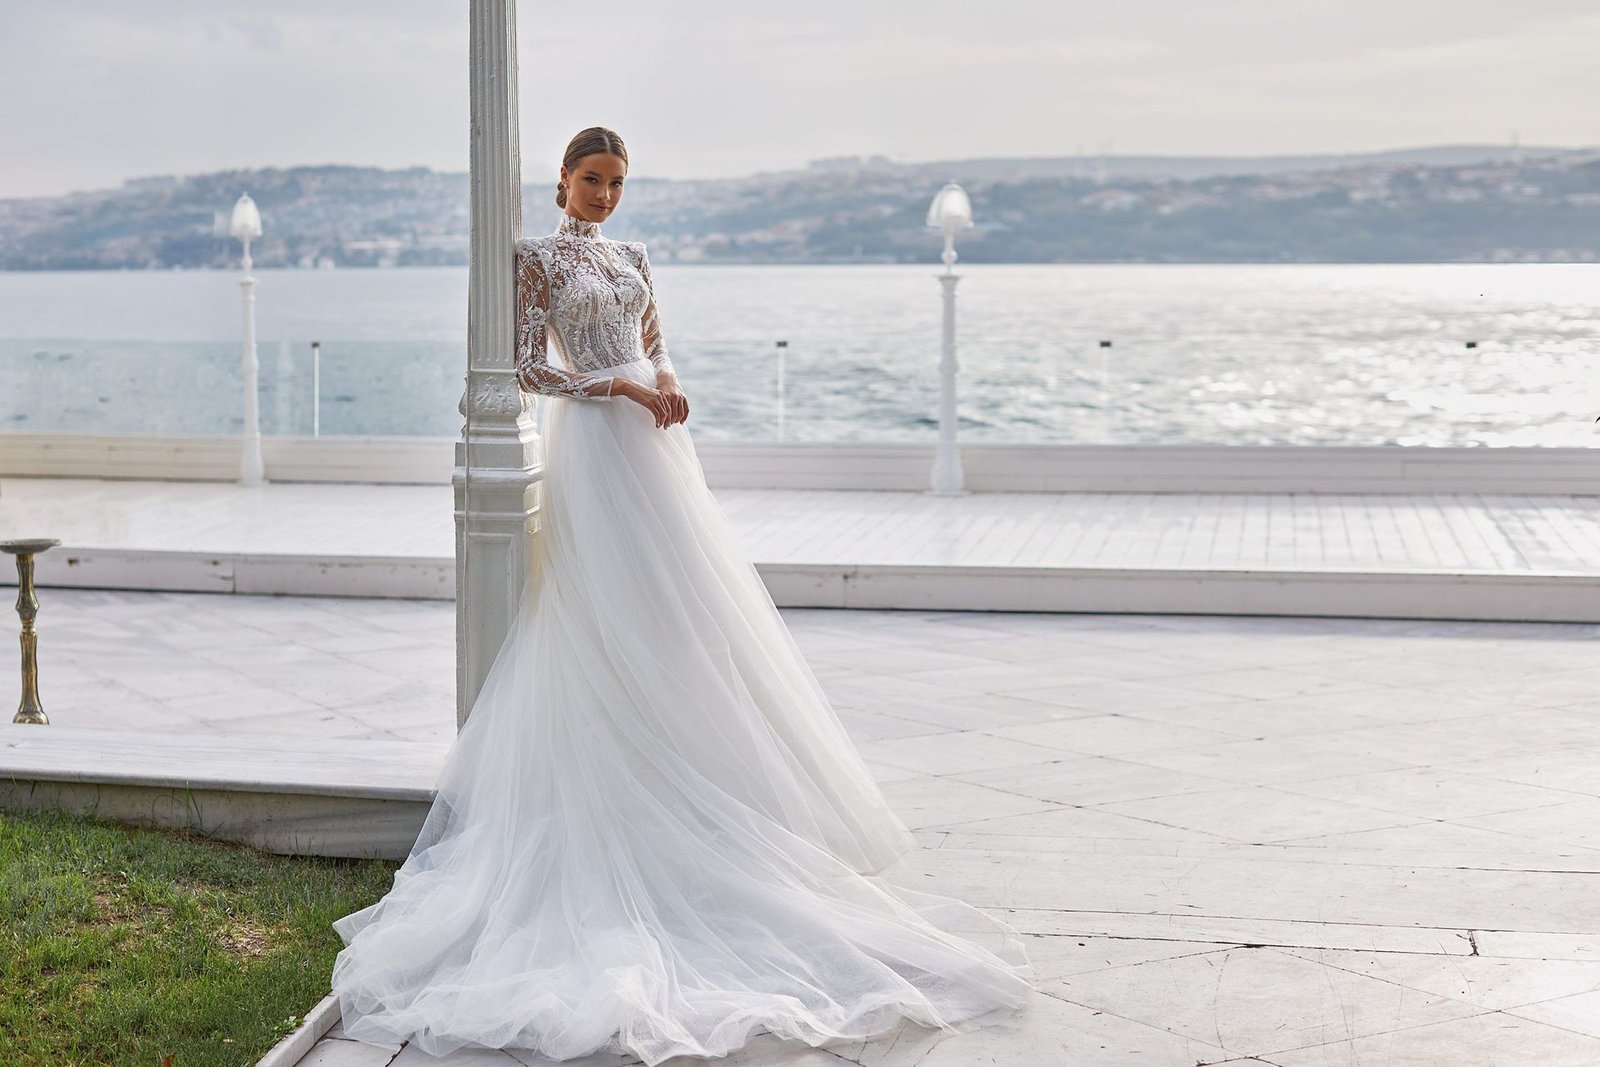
(652, 835)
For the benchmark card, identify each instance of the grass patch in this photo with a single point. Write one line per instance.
(162, 948)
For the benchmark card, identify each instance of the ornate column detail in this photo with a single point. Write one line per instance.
(496, 467)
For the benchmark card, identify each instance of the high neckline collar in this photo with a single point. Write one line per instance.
(578, 227)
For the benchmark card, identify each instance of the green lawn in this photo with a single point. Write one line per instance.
(161, 948)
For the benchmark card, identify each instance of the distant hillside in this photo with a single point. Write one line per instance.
(345, 216)
(1453, 204)
(1089, 166)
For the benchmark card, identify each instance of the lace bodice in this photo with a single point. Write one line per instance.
(595, 297)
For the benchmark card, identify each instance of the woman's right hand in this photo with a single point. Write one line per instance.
(653, 400)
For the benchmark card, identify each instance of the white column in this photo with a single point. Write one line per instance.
(496, 457)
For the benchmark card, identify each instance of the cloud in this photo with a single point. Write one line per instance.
(98, 91)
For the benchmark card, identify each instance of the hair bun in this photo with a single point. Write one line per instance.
(587, 142)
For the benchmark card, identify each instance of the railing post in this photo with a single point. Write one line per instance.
(783, 347)
(316, 388)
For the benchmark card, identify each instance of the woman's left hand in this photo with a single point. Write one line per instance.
(677, 403)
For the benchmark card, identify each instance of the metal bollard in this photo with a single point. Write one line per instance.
(30, 710)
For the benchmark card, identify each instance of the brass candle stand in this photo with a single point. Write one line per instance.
(30, 710)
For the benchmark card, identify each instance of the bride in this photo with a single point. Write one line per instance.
(652, 836)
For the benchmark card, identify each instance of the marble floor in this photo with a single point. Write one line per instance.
(1284, 841)
(1454, 532)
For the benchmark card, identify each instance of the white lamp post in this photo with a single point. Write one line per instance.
(950, 211)
(247, 224)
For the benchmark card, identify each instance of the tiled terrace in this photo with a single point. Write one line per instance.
(1445, 555)
(1286, 841)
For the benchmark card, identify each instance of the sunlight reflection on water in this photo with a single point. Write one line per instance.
(1234, 354)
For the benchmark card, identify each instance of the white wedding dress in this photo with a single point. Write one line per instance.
(652, 836)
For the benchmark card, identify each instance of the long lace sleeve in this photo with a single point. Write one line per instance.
(535, 373)
(655, 345)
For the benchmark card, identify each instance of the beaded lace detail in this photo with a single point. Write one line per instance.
(596, 298)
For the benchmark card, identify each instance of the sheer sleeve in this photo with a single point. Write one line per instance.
(655, 345)
(535, 373)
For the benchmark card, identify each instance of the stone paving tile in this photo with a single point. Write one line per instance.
(411, 1056)
(1003, 678)
(1060, 955)
(1272, 683)
(1400, 704)
(1254, 1001)
(1537, 945)
(1491, 1039)
(1251, 719)
(924, 801)
(1065, 824)
(1109, 735)
(1575, 822)
(1119, 696)
(980, 711)
(334, 1052)
(882, 725)
(1261, 886)
(1429, 743)
(953, 753)
(336, 1032)
(1571, 771)
(1088, 780)
(1428, 792)
(1263, 761)
(1244, 932)
(1054, 1032)
(876, 658)
(1485, 982)
(1470, 844)
(1578, 1011)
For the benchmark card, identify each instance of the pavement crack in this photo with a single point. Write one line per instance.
(1216, 997)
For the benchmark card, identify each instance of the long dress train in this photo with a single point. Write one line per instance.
(653, 835)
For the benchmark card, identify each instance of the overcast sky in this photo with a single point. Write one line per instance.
(95, 91)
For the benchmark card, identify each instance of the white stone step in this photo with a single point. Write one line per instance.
(356, 797)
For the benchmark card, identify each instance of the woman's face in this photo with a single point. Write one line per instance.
(594, 186)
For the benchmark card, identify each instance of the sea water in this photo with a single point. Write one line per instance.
(1430, 354)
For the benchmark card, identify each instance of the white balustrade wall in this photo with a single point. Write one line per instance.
(861, 465)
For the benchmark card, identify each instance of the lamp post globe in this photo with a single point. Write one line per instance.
(246, 221)
(951, 211)
(246, 224)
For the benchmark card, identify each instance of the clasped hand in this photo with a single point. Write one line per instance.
(666, 402)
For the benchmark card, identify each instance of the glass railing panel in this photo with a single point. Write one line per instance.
(1487, 355)
(68, 385)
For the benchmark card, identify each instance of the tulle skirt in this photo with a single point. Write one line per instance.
(653, 836)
